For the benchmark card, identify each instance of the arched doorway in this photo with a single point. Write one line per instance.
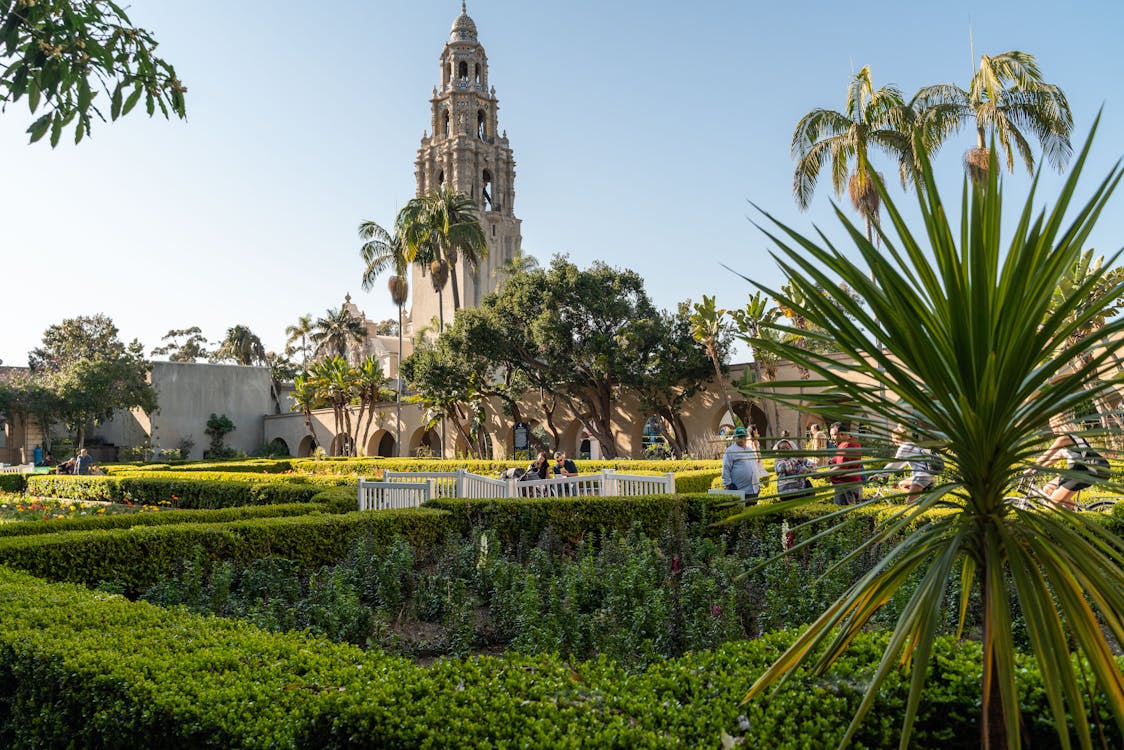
(278, 447)
(341, 445)
(381, 444)
(307, 447)
(425, 442)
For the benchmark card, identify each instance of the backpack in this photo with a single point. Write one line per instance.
(1090, 459)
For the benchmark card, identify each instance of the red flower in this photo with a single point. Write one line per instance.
(676, 565)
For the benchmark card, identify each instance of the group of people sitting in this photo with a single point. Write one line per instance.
(838, 457)
(83, 464)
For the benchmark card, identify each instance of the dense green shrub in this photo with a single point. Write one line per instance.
(181, 491)
(163, 518)
(13, 482)
(248, 465)
(122, 675)
(137, 556)
(697, 480)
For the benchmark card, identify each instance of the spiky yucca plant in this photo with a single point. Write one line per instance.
(968, 359)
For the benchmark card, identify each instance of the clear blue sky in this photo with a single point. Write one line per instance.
(640, 131)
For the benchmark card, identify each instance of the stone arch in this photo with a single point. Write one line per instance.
(569, 438)
(486, 193)
(381, 444)
(462, 69)
(280, 446)
(341, 445)
(306, 447)
(428, 437)
(644, 433)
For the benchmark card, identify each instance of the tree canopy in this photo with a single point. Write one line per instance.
(586, 337)
(63, 54)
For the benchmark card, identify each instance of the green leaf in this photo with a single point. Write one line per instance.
(115, 102)
(56, 130)
(133, 99)
(39, 128)
(32, 94)
(85, 94)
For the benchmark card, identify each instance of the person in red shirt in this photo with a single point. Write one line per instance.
(846, 465)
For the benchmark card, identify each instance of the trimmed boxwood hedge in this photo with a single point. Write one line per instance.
(697, 480)
(183, 492)
(137, 556)
(84, 669)
(163, 518)
(12, 482)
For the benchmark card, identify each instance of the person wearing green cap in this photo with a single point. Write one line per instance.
(739, 466)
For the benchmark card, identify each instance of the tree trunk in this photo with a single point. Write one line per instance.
(456, 287)
(993, 728)
(398, 392)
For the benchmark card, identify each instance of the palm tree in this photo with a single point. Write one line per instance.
(240, 345)
(336, 331)
(755, 322)
(708, 326)
(334, 381)
(439, 229)
(369, 384)
(382, 251)
(969, 359)
(306, 397)
(1007, 100)
(873, 119)
(300, 332)
(518, 263)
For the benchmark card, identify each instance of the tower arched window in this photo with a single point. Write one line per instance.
(463, 70)
(476, 66)
(441, 178)
(481, 124)
(486, 202)
(445, 121)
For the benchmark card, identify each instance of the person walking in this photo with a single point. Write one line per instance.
(846, 475)
(739, 466)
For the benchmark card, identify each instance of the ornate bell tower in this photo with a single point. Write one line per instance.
(466, 152)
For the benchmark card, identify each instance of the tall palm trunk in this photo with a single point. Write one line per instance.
(398, 392)
(456, 287)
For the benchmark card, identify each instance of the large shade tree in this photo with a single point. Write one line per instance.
(183, 345)
(1007, 102)
(969, 359)
(872, 120)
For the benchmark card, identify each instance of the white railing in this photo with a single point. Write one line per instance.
(409, 489)
(18, 469)
(459, 483)
(392, 495)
